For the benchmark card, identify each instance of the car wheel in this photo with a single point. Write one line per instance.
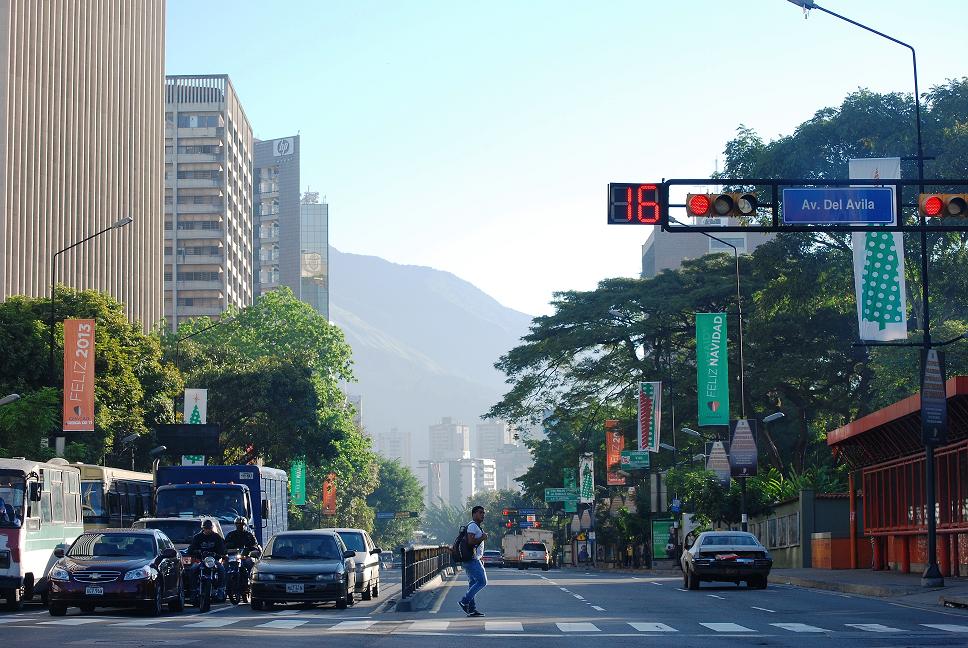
(692, 581)
(544, 567)
(341, 602)
(256, 605)
(376, 589)
(57, 609)
(367, 593)
(87, 608)
(15, 599)
(178, 604)
(268, 605)
(154, 607)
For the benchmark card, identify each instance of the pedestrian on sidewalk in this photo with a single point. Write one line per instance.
(476, 577)
(628, 555)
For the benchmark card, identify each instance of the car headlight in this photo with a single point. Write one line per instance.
(59, 574)
(140, 574)
(334, 576)
(259, 576)
(209, 562)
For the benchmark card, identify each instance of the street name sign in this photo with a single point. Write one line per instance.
(560, 494)
(833, 206)
(632, 459)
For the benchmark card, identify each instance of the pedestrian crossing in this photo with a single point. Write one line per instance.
(565, 627)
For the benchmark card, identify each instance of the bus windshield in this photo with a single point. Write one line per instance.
(223, 504)
(92, 500)
(12, 488)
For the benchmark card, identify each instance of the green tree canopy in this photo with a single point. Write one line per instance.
(398, 490)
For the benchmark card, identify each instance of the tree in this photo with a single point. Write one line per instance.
(398, 490)
(441, 521)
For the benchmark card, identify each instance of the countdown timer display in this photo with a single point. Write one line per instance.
(633, 203)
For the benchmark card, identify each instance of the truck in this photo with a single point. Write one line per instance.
(512, 544)
(257, 493)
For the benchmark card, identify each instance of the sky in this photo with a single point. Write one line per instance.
(479, 138)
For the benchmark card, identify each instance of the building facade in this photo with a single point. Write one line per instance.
(209, 231)
(396, 444)
(665, 251)
(81, 123)
(492, 436)
(449, 441)
(313, 252)
(276, 176)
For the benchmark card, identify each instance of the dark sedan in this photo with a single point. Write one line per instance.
(117, 568)
(304, 567)
(730, 556)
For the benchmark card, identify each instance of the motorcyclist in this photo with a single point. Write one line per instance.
(245, 541)
(204, 542)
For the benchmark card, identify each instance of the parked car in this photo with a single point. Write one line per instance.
(304, 567)
(367, 558)
(117, 568)
(534, 554)
(493, 558)
(731, 556)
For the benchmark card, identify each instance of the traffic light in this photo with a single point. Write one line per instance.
(536, 525)
(944, 205)
(735, 203)
(509, 524)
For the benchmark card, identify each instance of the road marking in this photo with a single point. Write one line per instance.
(682, 589)
(600, 609)
(655, 582)
(288, 612)
(285, 624)
(727, 627)
(428, 626)
(12, 620)
(652, 627)
(947, 627)
(139, 623)
(213, 623)
(872, 627)
(503, 626)
(71, 622)
(353, 625)
(764, 609)
(716, 596)
(440, 597)
(799, 627)
(563, 589)
(577, 627)
(579, 597)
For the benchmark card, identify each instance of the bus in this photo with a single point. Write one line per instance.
(257, 493)
(112, 497)
(41, 512)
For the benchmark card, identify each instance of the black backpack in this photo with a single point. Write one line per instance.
(460, 550)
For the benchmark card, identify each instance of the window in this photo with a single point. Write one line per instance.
(45, 507)
(56, 485)
(738, 241)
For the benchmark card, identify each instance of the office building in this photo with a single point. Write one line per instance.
(492, 436)
(665, 251)
(449, 441)
(313, 252)
(276, 177)
(512, 461)
(81, 126)
(208, 199)
(396, 445)
(454, 482)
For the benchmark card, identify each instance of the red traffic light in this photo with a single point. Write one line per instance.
(944, 205)
(933, 206)
(698, 204)
(537, 525)
(504, 512)
(509, 524)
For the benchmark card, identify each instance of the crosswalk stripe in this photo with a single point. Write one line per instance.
(727, 627)
(872, 627)
(140, 623)
(600, 609)
(353, 625)
(213, 623)
(652, 627)
(577, 627)
(798, 627)
(428, 626)
(947, 627)
(71, 622)
(503, 626)
(285, 624)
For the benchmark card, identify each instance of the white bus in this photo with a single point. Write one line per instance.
(113, 497)
(41, 512)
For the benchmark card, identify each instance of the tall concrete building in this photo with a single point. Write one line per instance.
(396, 444)
(454, 482)
(209, 233)
(449, 441)
(665, 251)
(81, 123)
(492, 436)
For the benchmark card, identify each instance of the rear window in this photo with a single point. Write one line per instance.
(492, 553)
(743, 540)
(534, 546)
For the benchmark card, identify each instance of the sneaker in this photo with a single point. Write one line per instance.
(464, 607)
(475, 613)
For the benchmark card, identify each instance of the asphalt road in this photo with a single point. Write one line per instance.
(543, 608)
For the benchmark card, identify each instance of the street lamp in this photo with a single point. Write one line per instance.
(127, 442)
(6, 400)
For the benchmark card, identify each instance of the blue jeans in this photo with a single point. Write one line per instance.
(476, 581)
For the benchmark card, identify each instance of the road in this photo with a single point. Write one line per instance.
(545, 608)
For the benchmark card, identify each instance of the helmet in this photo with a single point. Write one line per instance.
(207, 524)
(240, 520)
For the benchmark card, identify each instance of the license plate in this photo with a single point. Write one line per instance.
(186, 560)
(94, 591)
(295, 588)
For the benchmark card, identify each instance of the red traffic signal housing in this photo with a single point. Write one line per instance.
(943, 205)
(733, 203)
(509, 524)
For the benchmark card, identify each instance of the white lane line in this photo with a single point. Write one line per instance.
(727, 627)
(579, 597)
(285, 624)
(652, 627)
(2, 621)
(799, 627)
(213, 623)
(503, 626)
(71, 622)
(872, 627)
(428, 626)
(140, 623)
(577, 627)
(716, 596)
(600, 609)
(764, 609)
(947, 627)
(288, 612)
(563, 589)
(353, 625)
(682, 589)
(655, 582)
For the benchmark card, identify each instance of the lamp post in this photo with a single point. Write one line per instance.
(6, 400)
(932, 574)
(59, 440)
(127, 442)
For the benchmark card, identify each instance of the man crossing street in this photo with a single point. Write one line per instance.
(476, 577)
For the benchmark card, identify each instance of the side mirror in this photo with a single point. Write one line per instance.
(34, 491)
(266, 509)
(349, 554)
(59, 552)
(376, 550)
(169, 553)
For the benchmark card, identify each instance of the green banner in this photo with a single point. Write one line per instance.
(297, 483)
(661, 535)
(571, 506)
(633, 459)
(712, 370)
(568, 478)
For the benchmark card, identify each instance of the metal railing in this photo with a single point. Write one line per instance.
(420, 564)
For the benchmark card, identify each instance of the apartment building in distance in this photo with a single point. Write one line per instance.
(395, 444)
(81, 148)
(209, 230)
(449, 440)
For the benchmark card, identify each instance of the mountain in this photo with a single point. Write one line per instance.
(424, 343)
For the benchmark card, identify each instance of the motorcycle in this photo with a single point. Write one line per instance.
(238, 566)
(207, 584)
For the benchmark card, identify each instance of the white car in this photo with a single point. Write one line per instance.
(534, 554)
(367, 558)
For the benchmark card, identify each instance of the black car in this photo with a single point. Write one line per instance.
(117, 568)
(731, 556)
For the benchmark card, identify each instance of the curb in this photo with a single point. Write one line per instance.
(879, 591)
(423, 597)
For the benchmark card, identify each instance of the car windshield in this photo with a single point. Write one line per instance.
(720, 540)
(353, 541)
(223, 504)
(113, 545)
(12, 489)
(178, 531)
(299, 547)
(534, 546)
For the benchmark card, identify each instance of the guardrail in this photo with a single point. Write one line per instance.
(421, 563)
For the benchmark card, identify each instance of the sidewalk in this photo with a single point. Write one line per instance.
(906, 588)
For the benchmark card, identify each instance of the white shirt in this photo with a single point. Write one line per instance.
(475, 531)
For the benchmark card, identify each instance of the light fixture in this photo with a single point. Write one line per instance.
(9, 399)
(127, 220)
(691, 432)
(775, 416)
